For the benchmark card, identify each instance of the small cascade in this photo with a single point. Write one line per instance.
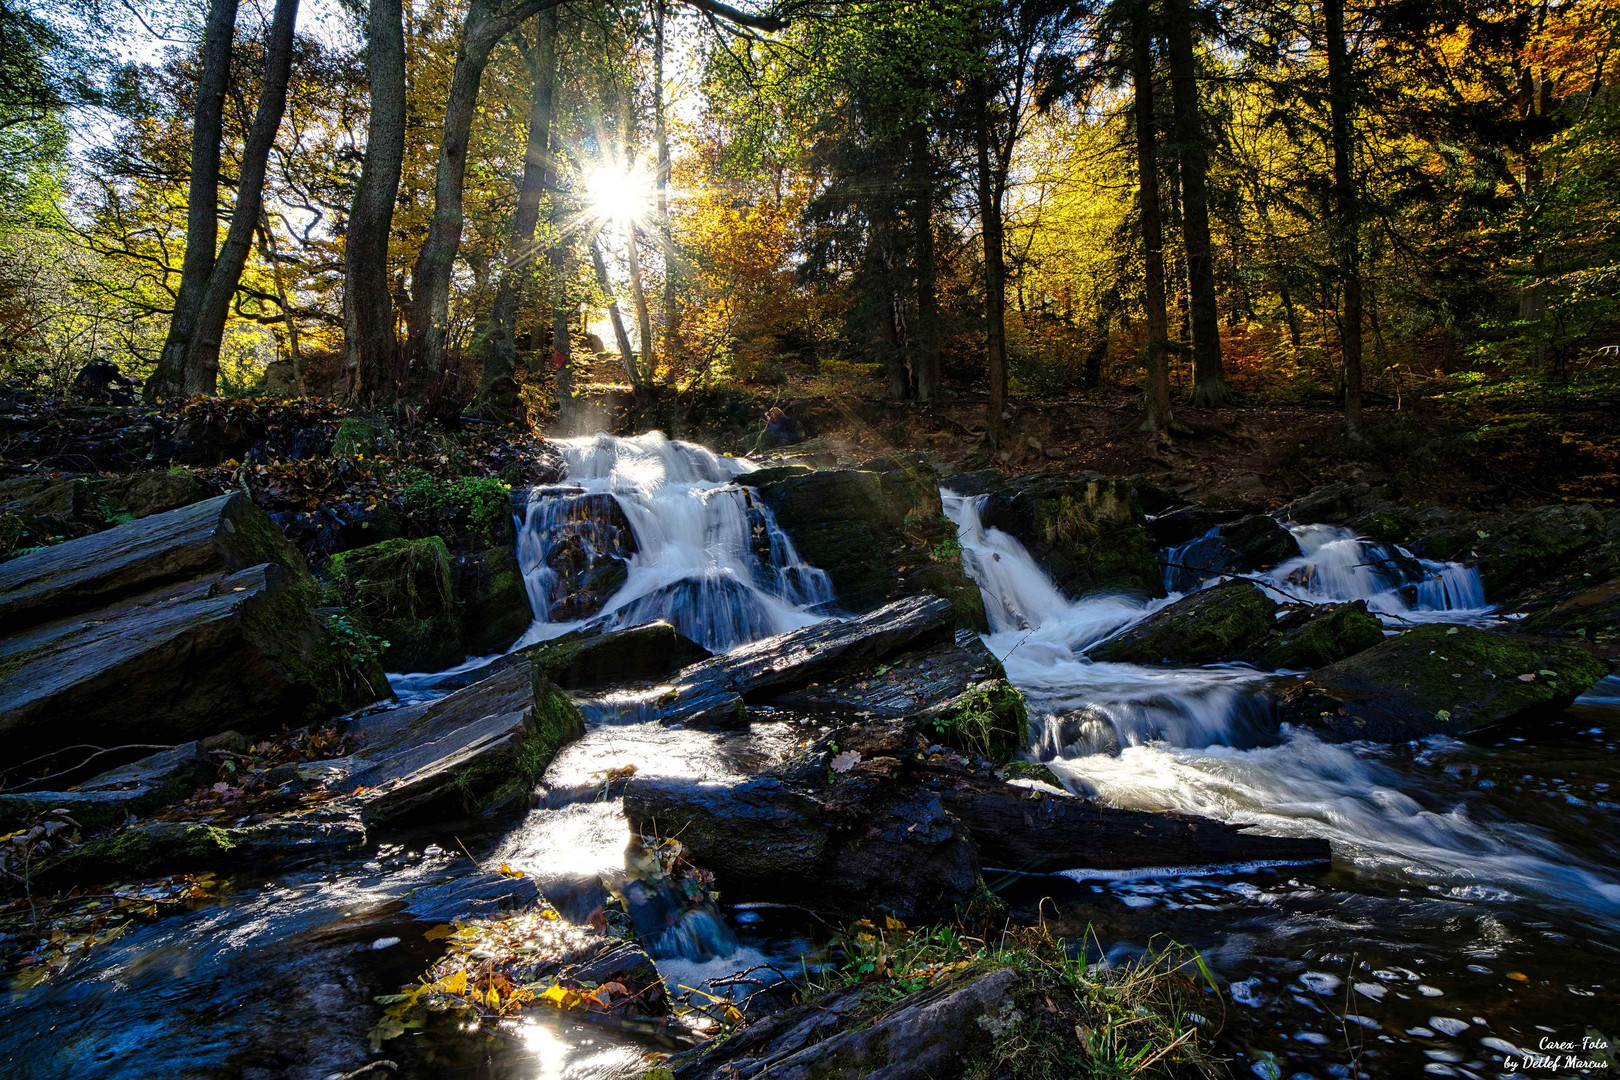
(1335, 565)
(648, 528)
(1204, 740)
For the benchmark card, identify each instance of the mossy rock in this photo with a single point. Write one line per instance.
(361, 436)
(142, 851)
(401, 590)
(1216, 624)
(1593, 614)
(1086, 531)
(990, 721)
(553, 722)
(1329, 635)
(579, 661)
(1441, 680)
(492, 599)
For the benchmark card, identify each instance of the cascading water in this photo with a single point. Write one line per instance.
(1335, 565)
(1199, 739)
(648, 528)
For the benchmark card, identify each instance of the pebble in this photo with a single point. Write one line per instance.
(1449, 1025)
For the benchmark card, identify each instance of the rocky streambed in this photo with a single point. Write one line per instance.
(810, 771)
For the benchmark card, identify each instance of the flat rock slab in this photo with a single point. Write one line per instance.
(714, 692)
(908, 685)
(923, 1035)
(1440, 680)
(222, 534)
(137, 788)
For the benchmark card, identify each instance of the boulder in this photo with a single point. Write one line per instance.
(134, 789)
(401, 590)
(1313, 637)
(583, 661)
(1086, 531)
(1212, 625)
(874, 818)
(925, 1034)
(491, 599)
(1336, 503)
(712, 692)
(879, 533)
(1593, 614)
(958, 689)
(1440, 680)
(483, 747)
(1250, 543)
(589, 552)
(145, 494)
(244, 650)
(1180, 526)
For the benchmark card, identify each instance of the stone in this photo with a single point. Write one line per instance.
(1440, 680)
(219, 535)
(491, 599)
(712, 692)
(1250, 543)
(401, 590)
(1314, 637)
(1593, 614)
(135, 789)
(582, 661)
(1335, 503)
(183, 661)
(1214, 624)
(879, 535)
(1085, 530)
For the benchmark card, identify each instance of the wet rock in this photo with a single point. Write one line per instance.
(958, 689)
(1593, 614)
(583, 661)
(712, 693)
(925, 1034)
(1315, 637)
(1086, 531)
(878, 534)
(1215, 624)
(1450, 680)
(244, 649)
(491, 599)
(142, 851)
(1077, 733)
(401, 590)
(134, 789)
(589, 553)
(1251, 543)
(483, 747)
(1336, 503)
(478, 895)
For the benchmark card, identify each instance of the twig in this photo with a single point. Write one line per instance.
(26, 784)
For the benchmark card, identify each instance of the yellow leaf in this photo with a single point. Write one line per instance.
(507, 871)
(892, 923)
(455, 983)
(440, 932)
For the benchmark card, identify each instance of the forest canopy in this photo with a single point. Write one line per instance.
(493, 205)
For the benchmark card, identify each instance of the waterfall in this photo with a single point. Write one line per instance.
(649, 528)
(1203, 740)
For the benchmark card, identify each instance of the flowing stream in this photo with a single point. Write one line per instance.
(1470, 909)
(1472, 902)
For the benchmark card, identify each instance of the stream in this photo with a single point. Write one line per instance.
(1470, 910)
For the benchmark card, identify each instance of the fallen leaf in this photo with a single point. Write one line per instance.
(1530, 677)
(846, 761)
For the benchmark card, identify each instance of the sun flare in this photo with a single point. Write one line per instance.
(618, 194)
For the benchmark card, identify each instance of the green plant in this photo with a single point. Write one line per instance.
(483, 502)
(357, 647)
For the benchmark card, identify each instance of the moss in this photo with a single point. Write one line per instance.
(1029, 770)
(361, 435)
(401, 590)
(1215, 624)
(312, 651)
(476, 507)
(142, 851)
(554, 722)
(1333, 634)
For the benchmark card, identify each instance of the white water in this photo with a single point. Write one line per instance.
(1195, 739)
(710, 558)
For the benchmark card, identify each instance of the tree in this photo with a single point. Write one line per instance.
(1157, 349)
(190, 357)
(1209, 380)
(370, 345)
(1346, 222)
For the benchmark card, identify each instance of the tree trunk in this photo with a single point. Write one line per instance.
(638, 296)
(995, 272)
(272, 258)
(1347, 239)
(672, 309)
(615, 315)
(371, 348)
(202, 361)
(498, 393)
(1147, 167)
(928, 337)
(202, 200)
(1209, 380)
